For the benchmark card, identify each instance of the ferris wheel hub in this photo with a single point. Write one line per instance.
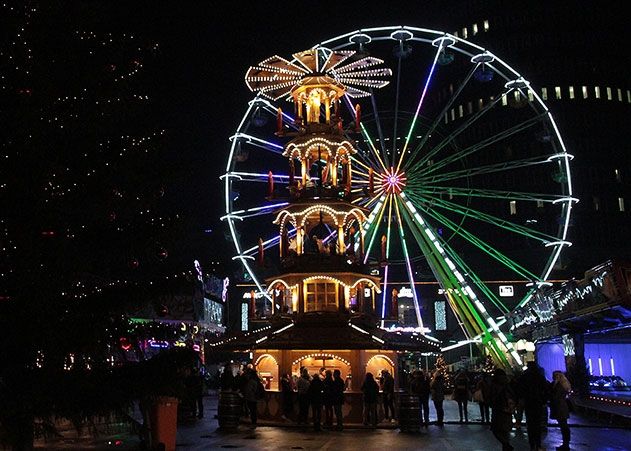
(393, 181)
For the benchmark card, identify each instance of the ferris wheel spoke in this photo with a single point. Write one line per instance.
(364, 132)
(440, 48)
(257, 142)
(453, 135)
(396, 109)
(483, 144)
(479, 243)
(385, 271)
(478, 317)
(373, 102)
(371, 226)
(269, 243)
(444, 111)
(487, 218)
(408, 266)
(455, 191)
(462, 301)
(255, 211)
(486, 169)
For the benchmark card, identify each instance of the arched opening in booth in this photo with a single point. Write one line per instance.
(267, 367)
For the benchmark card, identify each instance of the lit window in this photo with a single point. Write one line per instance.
(597, 91)
(486, 25)
(544, 93)
(609, 97)
(531, 97)
(460, 111)
(470, 107)
(480, 104)
(440, 316)
(557, 92)
(618, 175)
(539, 204)
(475, 29)
(571, 90)
(619, 95)
(320, 296)
(517, 96)
(596, 202)
(453, 114)
(455, 33)
(446, 118)
(628, 96)
(621, 203)
(504, 100)
(513, 207)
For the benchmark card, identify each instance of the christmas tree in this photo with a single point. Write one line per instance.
(93, 225)
(488, 366)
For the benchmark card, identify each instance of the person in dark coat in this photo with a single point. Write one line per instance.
(437, 387)
(502, 400)
(534, 390)
(559, 409)
(419, 386)
(249, 392)
(387, 387)
(302, 386)
(327, 398)
(315, 399)
(483, 387)
(461, 394)
(370, 389)
(287, 395)
(338, 397)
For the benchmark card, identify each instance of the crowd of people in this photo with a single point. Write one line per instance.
(500, 397)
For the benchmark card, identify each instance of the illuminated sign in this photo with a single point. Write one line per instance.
(406, 292)
(506, 291)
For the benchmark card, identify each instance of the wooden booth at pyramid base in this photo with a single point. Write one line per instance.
(317, 340)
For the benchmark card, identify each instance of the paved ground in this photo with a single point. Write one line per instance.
(204, 435)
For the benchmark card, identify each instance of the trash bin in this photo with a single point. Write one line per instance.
(409, 413)
(163, 422)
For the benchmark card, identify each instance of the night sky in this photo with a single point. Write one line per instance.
(196, 78)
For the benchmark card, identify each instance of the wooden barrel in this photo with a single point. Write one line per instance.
(229, 410)
(409, 413)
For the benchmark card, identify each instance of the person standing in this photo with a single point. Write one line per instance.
(482, 396)
(327, 398)
(419, 386)
(370, 389)
(502, 400)
(338, 397)
(461, 394)
(287, 396)
(387, 387)
(559, 409)
(437, 387)
(251, 392)
(315, 399)
(199, 388)
(303, 395)
(533, 389)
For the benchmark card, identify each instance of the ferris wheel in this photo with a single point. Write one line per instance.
(459, 163)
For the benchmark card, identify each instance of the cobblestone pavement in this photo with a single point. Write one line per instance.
(204, 434)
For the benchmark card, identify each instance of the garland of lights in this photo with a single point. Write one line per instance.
(320, 354)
